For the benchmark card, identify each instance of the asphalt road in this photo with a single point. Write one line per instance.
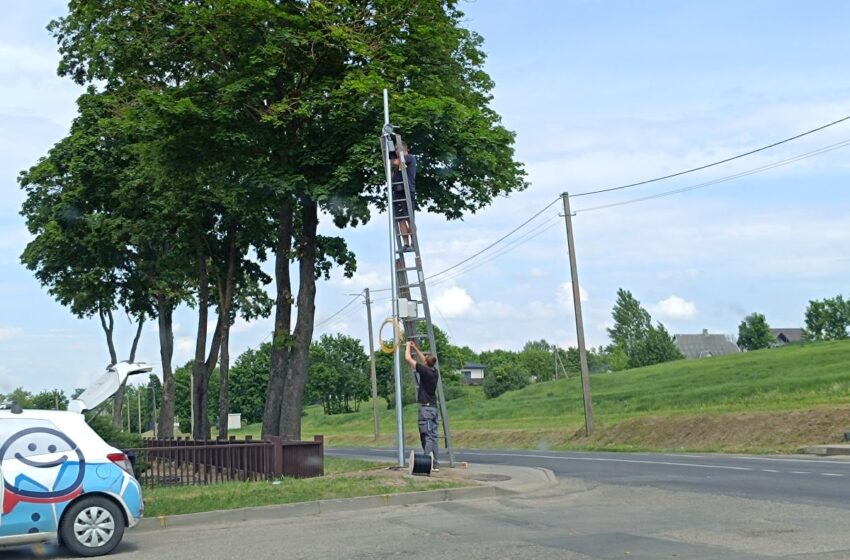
(793, 480)
(605, 506)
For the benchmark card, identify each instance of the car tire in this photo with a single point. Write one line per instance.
(92, 526)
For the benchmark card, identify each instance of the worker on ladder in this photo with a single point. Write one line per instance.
(399, 200)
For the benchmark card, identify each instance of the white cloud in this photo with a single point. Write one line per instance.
(453, 301)
(564, 295)
(10, 332)
(675, 307)
(184, 344)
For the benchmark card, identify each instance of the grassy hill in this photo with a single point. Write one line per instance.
(770, 400)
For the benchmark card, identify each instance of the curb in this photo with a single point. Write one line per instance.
(301, 509)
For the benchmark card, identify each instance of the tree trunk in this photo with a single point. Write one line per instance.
(165, 310)
(225, 295)
(200, 380)
(107, 322)
(136, 338)
(281, 341)
(296, 378)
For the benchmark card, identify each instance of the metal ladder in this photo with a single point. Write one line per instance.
(414, 292)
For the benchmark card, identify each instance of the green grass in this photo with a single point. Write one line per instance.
(766, 383)
(344, 478)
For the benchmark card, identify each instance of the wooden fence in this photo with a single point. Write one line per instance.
(185, 462)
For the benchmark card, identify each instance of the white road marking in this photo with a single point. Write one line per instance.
(831, 474)
(608, 460)
(801, 472)
(769, 470)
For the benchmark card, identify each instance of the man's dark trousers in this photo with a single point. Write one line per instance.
(428, 430)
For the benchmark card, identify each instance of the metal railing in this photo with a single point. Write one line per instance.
(169, 462)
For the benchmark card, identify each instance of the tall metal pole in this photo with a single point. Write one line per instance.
(375, 416)
(582, 353)
(397, 343)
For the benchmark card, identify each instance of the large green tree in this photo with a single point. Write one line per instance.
(287, 97)
(828, 319)
(80, 249)
(634, 334)
(754, 333)
(339, 373)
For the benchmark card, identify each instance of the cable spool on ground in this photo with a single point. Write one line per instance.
(399, 335)
(420, 464)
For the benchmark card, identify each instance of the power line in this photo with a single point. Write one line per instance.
(761, 169)
(325, 321)
(739, 156)
(487, 248)
(525, 238)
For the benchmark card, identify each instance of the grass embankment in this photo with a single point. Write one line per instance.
(765, 401)
(344, 478)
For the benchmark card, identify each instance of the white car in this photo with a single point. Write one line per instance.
(60, 480)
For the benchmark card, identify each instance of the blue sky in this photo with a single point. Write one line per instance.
(599, 94)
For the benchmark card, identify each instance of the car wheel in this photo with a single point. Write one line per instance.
(92, 526)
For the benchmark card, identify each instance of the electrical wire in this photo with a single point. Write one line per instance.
(326, 320)
(526, 237)
(535, 232)
(493, 244)
(761, 169)
(706, 166)
(487, 248)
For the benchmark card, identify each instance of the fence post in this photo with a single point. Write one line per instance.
(277, 455)
(321, 441)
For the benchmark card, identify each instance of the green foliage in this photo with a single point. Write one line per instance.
(502, 378)
(182, 394)
(633, 332)
(50, 400)
(111, 435)
(249, 377)
(229, 115)
(338, 376)
(754, 333)
(20, 396)
(537, 360)
(619, 359)
(828, 319)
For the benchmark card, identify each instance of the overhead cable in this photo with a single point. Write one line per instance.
(706, 166)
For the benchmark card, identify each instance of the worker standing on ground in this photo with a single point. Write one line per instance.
(399, 200)
(426, 396)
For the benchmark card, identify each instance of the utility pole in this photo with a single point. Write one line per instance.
(582, 353)
(375, 417)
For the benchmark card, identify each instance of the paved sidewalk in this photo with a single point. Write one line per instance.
(493, 480)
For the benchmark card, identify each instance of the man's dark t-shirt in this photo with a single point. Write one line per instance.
(427, 393)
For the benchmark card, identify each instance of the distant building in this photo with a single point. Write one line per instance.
(704, 345)
(472, 373)
(787, 336)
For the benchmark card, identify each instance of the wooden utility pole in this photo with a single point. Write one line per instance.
(372, 360)
(582, 353)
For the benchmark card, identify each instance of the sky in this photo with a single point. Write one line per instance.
(600, 94)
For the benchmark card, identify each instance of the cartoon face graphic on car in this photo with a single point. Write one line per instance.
(51, 468)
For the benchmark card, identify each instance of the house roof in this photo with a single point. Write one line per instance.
(791, 335)
(703, 345)
(473, 365)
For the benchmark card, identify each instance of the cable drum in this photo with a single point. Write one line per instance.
(420, 464)
(399, 336)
